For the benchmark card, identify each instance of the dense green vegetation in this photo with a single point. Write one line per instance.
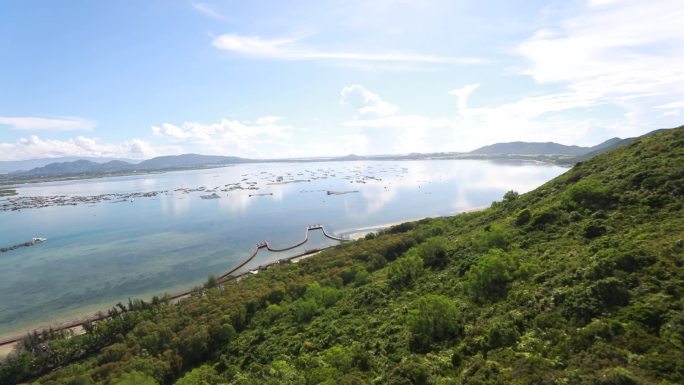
(578, 282)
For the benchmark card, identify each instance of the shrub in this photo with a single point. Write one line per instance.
(654, 201)
(433, 252)
(303, 311)
(594, 229)
(579, 304)
(500, 334)
(673, 330)
(404, 271)
(510, 196)
(193, 343)
(618, 376)
(589, 195)
(582, 303)
(134, 378)
(408, 372)
(204, 375)
(523, 217)
(376, 262)
(607, 261)
(323, 296)
(612, 292)
(339, 358)
(495, 237)
(651, 314)
(433, 318)
(211, 282)
(544, 217)
(488, 280)
(361, 277)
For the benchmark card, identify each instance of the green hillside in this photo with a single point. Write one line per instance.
(577, 282)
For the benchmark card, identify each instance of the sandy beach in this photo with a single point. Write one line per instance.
(5, 350)
(360, 232)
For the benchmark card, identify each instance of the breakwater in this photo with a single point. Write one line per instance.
(32, 242)
(223, 278)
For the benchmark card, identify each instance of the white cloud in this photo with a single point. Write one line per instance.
(612, 48)
(402, 122)
(366, 102)
(35, 147)
(411, 133)
(462, 94)
(608, 63)
(30, 123)
(290, 49)
(671, 106)
(171, 131)
(206, 10)
(226, 136)
(672, 109)
(538, 118)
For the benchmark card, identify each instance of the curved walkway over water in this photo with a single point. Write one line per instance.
(266, 245)
(226, 276)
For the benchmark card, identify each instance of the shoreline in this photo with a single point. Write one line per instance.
(360, 232)
(9, 340)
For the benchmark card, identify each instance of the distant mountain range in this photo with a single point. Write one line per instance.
(96, 167)
(84, 167)
(547, 148)
(7, 166)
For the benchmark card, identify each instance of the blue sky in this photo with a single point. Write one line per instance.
(137, 79)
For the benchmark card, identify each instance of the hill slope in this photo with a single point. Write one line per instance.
(577, 282)
(530, 148)
(187, 160)
(548, 148)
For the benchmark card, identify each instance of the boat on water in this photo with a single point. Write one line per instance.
(38, 240)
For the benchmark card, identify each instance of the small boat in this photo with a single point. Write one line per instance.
(38, 240)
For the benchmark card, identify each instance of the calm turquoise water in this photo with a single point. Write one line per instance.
(103, 253)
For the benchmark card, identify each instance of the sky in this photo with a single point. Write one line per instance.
(276, 79)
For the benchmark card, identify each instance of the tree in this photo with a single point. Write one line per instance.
(203, 375)
(588, 194)
(510, 196)
(433, 318)
(211, 282)
(488, 280)
(194, 343)
(404, 271)
(323, 296)
(433, 251)
(134, 378)
(304, 310)
(523, 217)
(495, 236)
